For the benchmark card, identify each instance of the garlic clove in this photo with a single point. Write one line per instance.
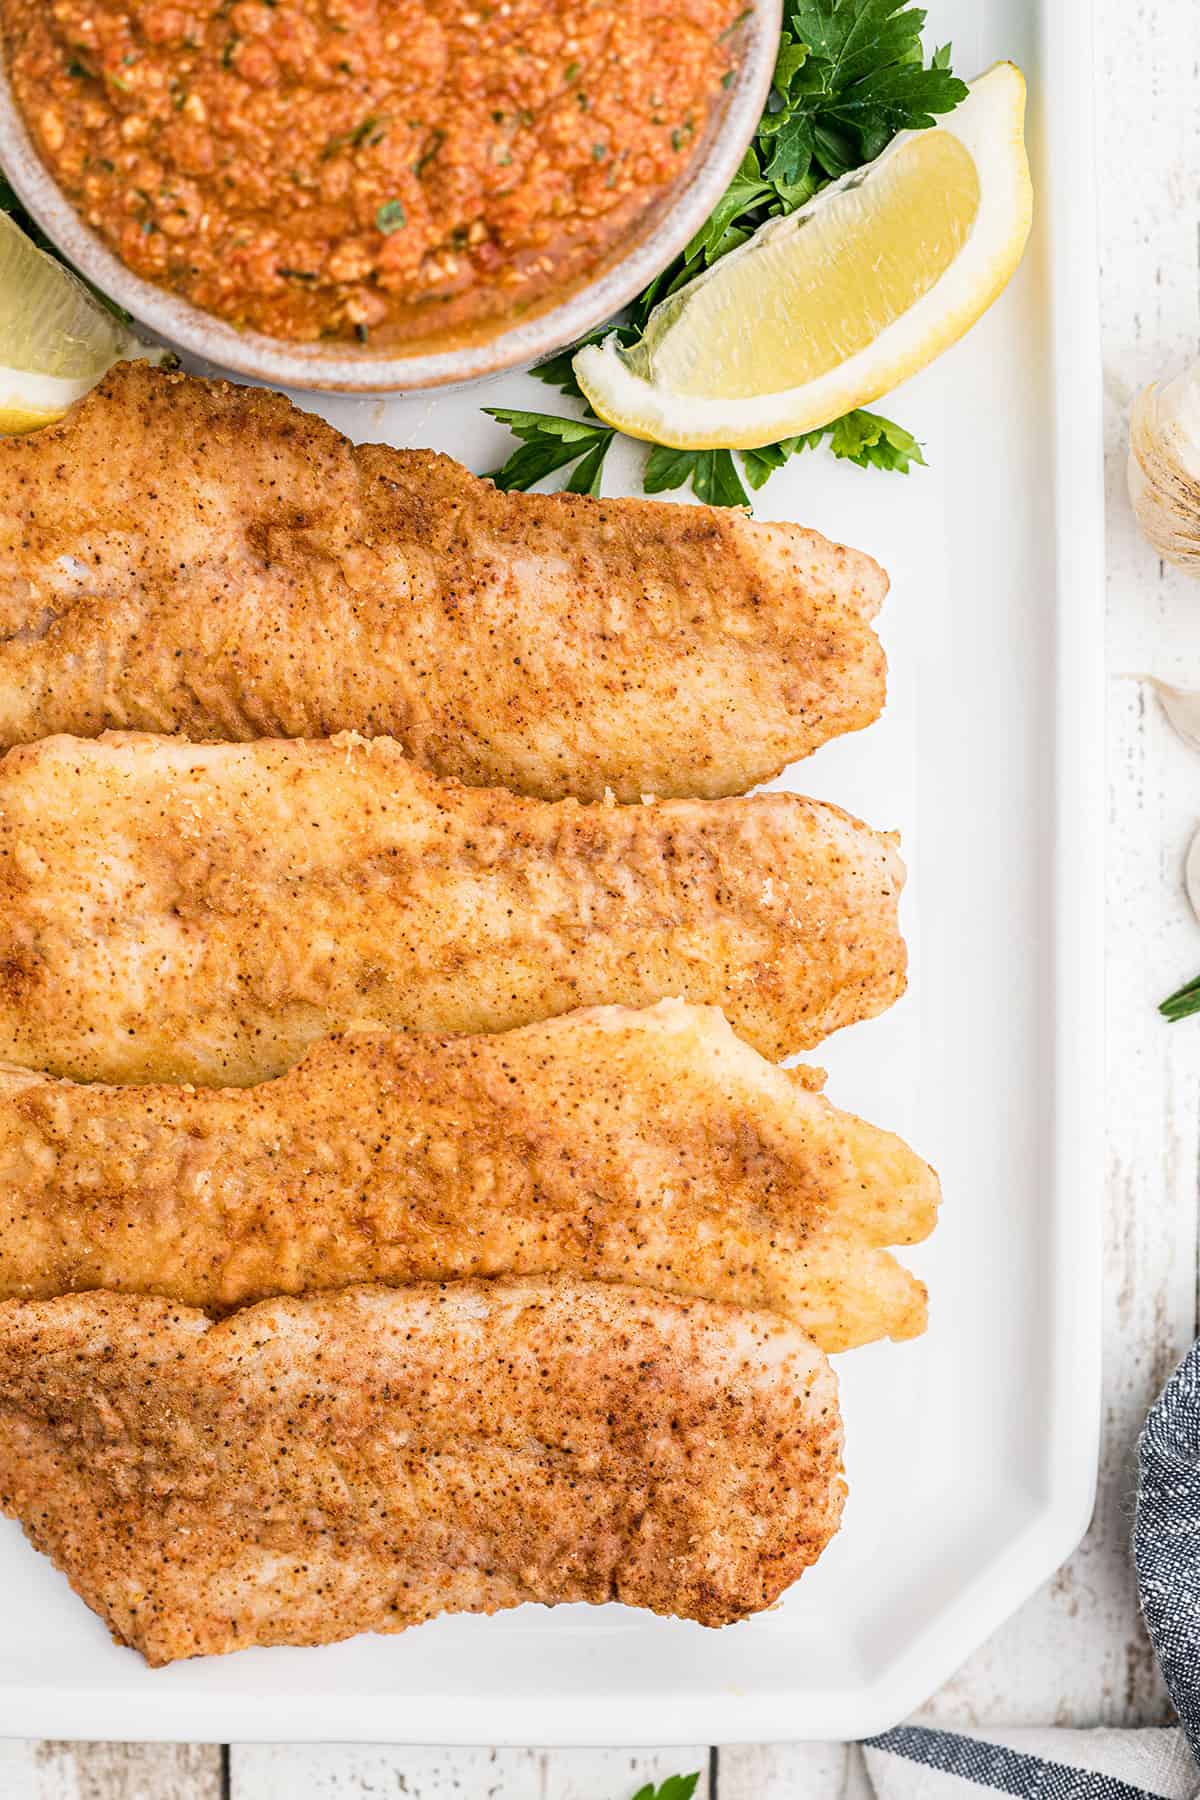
(1164, 467)
(1181, 706)
(1191, 874)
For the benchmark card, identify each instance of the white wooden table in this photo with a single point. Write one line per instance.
(1075, 1654)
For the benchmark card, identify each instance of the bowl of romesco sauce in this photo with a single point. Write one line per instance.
(377, 195)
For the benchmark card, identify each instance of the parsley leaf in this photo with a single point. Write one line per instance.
(758, 464)
(745, 191)
(849, 75)
(873, 442)
(864, 438)
(390, 217)
(712, 473)
(861, 80)
(585, 477)
(550, 443)
(675, 1787)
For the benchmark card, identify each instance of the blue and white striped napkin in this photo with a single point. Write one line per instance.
(914, 1763)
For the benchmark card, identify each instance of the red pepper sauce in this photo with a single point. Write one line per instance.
(345, 168)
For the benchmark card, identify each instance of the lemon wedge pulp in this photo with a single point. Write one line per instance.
(829, 308)
(56, 339)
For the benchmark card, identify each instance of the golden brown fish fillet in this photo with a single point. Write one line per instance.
(185, 556)
(364, 1461)
(176, 912)
(652, 1147)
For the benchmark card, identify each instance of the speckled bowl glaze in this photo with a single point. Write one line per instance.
(347, 368)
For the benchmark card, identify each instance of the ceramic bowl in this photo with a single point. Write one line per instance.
(659, 236)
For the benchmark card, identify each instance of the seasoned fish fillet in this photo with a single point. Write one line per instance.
(173, 912)
(364, 1461)
(185, 556)
(652, 1147)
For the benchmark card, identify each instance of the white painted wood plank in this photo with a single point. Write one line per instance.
(42, 1771)
(1076, 1654)
(791, 1772)
(352, 1772)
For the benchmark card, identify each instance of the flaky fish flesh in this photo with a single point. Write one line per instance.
(185, 556)
(652, 1147)
(312, 1468)
(176, 912)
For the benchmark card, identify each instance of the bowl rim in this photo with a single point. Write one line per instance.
(332, 367)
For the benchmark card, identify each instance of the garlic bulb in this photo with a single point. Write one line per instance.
(1164, 467)
(1182, 709)
(1191, 874)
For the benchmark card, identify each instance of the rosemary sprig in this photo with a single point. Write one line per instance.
(1182, 1003)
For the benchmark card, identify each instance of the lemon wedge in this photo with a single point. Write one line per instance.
(56, 339)
(829, 308)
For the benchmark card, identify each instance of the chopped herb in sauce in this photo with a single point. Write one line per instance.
(390, 217)
(370, 131)
(423, 162)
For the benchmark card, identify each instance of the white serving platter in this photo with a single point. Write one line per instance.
(971, 1453)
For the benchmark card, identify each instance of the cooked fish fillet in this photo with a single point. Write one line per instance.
(652, 1147)
(364, 1461)
(185, 556)
(173, 912)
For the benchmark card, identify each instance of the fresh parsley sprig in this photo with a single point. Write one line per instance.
(675, 1787)
(849, 75)
(550, 442)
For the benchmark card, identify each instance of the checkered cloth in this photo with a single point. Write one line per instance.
(913, 1763)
